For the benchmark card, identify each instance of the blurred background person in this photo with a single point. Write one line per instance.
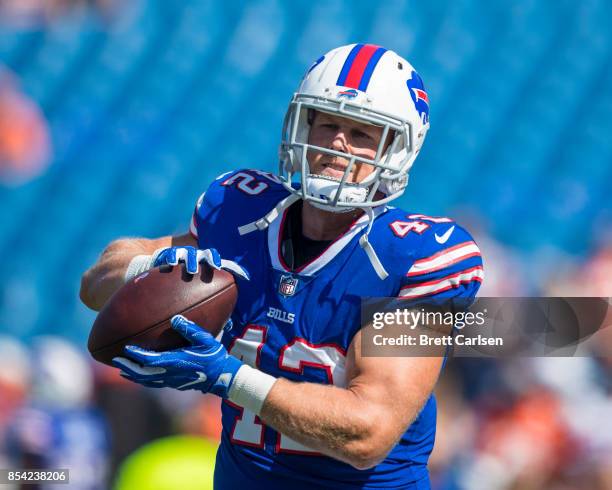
(58, 427)
(25, 146)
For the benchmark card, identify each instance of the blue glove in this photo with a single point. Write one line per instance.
(193, 256)
(205, 366)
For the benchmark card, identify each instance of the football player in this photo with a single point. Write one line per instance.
(302, 407)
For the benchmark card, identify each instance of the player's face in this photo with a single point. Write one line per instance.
(345, 135)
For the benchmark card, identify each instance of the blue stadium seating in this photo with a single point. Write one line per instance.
(146, 109)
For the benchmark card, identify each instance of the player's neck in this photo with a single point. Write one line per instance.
(324, 225)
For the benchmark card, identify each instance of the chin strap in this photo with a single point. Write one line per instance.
(263, 223)
(369, 249)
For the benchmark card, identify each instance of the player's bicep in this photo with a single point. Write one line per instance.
(397, 387)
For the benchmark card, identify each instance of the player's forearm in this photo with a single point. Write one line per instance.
(332, 420)
(107, 275)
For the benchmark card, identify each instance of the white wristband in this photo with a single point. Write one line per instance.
(250, 388)
(137, 266)
(140, 264)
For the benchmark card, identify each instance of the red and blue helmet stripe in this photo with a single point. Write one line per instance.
(359, 66)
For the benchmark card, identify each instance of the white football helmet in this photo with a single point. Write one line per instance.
(369, 84)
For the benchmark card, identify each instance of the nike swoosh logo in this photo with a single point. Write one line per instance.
(201, 378)
(444, 238)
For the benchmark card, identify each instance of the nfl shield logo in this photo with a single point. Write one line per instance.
(287, 285)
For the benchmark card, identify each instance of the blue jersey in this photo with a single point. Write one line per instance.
(298, 324)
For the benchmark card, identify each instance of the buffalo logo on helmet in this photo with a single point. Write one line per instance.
(419, 96)
(287, 285)
(349, 93)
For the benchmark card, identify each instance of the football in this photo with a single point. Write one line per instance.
(139, 313)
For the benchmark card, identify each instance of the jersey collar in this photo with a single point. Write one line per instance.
(334, 248)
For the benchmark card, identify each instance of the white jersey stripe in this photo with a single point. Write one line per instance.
(433, 219)
(444, 259)
(193, 229)
(440, 285)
